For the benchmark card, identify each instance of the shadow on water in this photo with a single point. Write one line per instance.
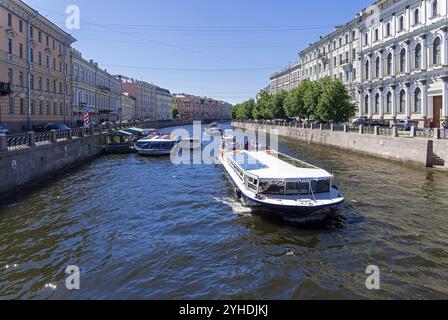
(327, 219)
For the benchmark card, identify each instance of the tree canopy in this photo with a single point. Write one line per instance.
(325, 100)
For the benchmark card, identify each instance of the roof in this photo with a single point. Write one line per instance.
(268, 167)
(121, 133)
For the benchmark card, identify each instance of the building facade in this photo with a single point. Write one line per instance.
(404, 57)
(197, 108)
(393, 57)
(127, 107)
(35, 69)
(94, 89)
(145, 97)
(164, 106)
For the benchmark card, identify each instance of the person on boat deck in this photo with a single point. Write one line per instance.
(246, 143)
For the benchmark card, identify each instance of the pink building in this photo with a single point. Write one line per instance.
(197, 108)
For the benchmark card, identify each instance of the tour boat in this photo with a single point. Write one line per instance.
(213, 129)
(157, 146)
(269, 180)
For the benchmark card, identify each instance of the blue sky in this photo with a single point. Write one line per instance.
(222, 49)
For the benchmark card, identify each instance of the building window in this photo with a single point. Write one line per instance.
(367, 70)
(366, 39)
(366, 104)
(418, 56)
(48, 107)
(41, 107)
(40, 58)
(401, 23)
(47, 87)
(48, 61)
(10, 45)
(377, 103)
(40, 84)
(39, 36)
(32, 106)
(21, 78)
(436, 52)
(32, 82)
(403, 61)
(377, 67)
(388, 29)
(20, 26)
(389, 103)
(416, 17)
(10, 76)
(11, 105)
(21, 51)
(22, 106)
(31, 32)
(402, 105)
(55, 111)
(389, 64)
(418, 101)
(377, 35)
(9, 20)
(31, 55)
(435, 10)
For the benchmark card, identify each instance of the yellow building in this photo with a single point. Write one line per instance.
(35, 69)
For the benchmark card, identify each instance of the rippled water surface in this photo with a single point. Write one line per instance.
(143, 228)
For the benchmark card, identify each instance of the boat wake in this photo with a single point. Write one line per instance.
(236, 205)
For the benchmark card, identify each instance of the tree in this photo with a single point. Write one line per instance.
(263, 107)
(311, 93)
(277, 109)
(334, 102)
(175, 112)
(244, 111)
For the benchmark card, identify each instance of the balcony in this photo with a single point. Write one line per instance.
(103, 88)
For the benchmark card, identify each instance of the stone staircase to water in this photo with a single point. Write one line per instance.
(437, 161)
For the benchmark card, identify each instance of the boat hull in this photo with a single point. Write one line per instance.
(154, 153)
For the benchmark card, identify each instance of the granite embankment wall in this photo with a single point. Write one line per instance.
(410, 150)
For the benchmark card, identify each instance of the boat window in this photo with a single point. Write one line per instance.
(297, 188)
(251, 183)
(321, 186)
(277, 187)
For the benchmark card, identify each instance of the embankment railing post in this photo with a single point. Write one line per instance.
(361, 129)
(32, 136)
(331, 127)
(53, 136)
(394, 132)
(376, 130)
(3, 143)
(345, 128)
(437, 133)
(413, 132)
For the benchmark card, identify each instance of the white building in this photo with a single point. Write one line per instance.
(393, 57)
(164, 105)
(404, 59)
(94, 89)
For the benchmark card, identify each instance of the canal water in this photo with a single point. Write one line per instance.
(143, 228)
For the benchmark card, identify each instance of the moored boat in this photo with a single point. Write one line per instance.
(272, 181)
(213, 129)
(120, 142)
(157, 146)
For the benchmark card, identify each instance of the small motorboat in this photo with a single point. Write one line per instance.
(269, 180)
(213, 129)
(157, 146)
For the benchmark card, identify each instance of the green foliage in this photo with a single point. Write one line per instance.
(175, 112)
(326, 100)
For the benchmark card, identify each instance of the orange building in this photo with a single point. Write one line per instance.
(35, 69)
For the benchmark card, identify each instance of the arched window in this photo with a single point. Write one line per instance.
(436, 51)
(401, 23)
(435, 9)
(416, 16)
(403, 61)
(366, 104)
(402, 105)
(377, 103)
(367, 70)
(389, 64)
(377, 67)
(389, 103)
(418, 56)
(417, 100)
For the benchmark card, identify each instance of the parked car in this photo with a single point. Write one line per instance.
(404, 125)
(4, 131)
(378, 123)
(360, 121)
(50, 126)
